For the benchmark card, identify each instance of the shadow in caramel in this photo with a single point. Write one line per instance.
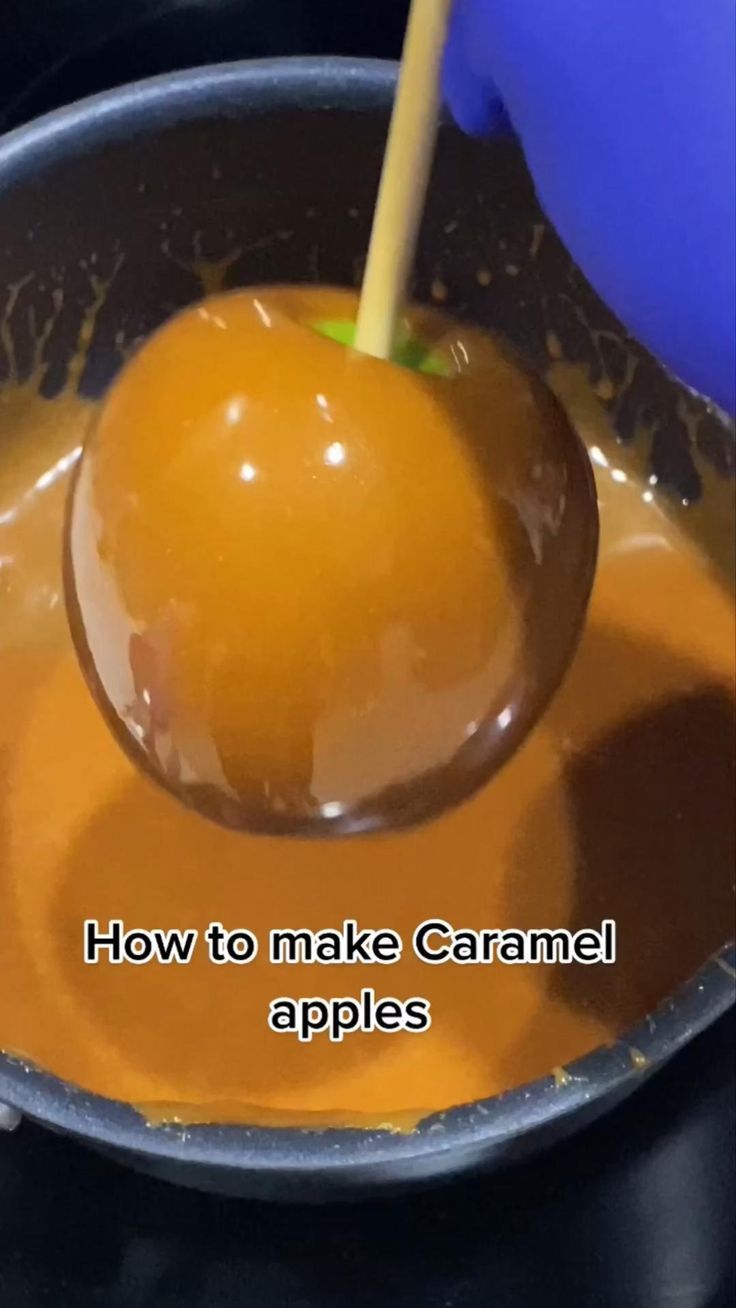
(627, 832)
(651, 803)
(198, 1034)
(176, 1023)
(653, 808)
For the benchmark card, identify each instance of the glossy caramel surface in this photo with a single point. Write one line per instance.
(309, 587)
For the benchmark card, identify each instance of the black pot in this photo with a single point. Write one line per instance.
(241, 155)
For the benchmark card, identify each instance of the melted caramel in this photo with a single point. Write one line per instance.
(619, 805)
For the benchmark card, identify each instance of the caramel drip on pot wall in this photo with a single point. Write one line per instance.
(708, 523)
(620, 805)
(40, 442)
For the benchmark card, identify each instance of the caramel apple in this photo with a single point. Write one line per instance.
(316, 592)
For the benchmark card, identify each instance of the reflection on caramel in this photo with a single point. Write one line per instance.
(310, 586)
(619, 805)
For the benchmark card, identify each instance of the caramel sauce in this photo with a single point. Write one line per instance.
(620, 804)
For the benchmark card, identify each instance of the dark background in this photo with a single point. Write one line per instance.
(59, 50)
(636, 1212)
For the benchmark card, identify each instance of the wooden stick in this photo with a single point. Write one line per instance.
(404, 179)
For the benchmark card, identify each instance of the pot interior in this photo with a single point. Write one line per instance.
(112, 223)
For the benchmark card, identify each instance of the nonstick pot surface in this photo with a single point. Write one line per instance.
(266, 172)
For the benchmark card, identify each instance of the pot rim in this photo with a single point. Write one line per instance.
(287, 81)
(605, 1073)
